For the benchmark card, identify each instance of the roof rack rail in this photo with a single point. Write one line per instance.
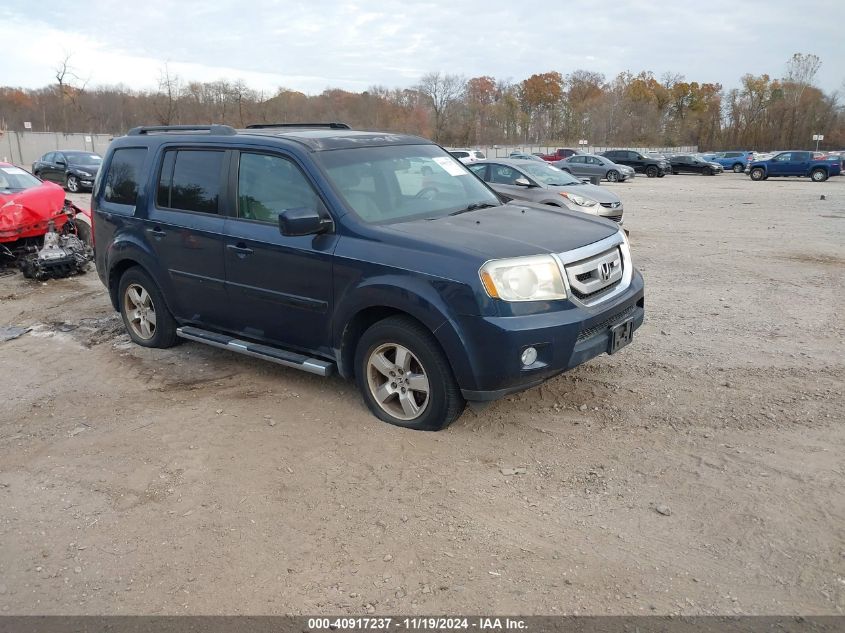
(329, 126)
(222, 130)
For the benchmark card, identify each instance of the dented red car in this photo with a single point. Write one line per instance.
(40, 231)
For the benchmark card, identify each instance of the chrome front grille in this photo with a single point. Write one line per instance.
(597, 272)
(610, 205)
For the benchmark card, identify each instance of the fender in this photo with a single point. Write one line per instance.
(412, 295)
(128, 249)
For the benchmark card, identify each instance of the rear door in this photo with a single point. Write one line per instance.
(800, 163)
(281, 285)
(44, 165)
(184, 226)
(578, 166)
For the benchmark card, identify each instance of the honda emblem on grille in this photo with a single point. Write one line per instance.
(604, 271)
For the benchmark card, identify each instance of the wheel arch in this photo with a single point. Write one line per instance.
(127, 253)
(376, 302)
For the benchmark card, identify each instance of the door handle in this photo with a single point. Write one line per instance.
(240, 249)
(156, 232)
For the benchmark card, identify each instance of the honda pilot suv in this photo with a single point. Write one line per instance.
(373, 254)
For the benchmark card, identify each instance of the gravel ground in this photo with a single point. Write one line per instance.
(698, 471)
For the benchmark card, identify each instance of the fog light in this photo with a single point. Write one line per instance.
(529, 356)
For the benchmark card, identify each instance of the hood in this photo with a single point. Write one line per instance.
(599, 194)
(511, 230)
(26, 213)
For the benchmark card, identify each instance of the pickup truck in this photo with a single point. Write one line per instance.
(375, 255)
(559, 154)
(794, 163)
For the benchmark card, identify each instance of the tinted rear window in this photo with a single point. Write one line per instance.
(190, 180)
(124, 177)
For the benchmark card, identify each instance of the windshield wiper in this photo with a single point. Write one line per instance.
(473, 207)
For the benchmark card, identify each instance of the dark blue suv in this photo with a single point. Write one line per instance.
(377, 255)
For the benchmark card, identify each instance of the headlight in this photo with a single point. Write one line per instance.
(534, 278)
(579, 200)
(84, 173)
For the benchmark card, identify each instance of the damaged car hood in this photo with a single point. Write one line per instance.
(26, 213)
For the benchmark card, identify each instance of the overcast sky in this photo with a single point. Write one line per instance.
(310, 46)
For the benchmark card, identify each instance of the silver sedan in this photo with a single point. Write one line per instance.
(589, 165)
(544, 183)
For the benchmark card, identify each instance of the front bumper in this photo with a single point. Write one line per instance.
(563, 339)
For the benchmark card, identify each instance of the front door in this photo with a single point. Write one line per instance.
(781, 165)
(503, 180)
(280, 286)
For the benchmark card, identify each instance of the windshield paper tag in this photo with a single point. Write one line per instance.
(449, 166)
(15, 171)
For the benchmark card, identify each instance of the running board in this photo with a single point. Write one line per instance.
(257, 350)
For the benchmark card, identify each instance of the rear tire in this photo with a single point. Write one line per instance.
(738, 168)
(651, 171)
(818, 175)
(145, 314)
(404, 376)
(757, 174)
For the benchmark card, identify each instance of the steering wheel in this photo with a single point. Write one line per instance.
(427, 193)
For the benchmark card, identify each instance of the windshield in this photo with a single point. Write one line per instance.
(549, 174)
(91, 160)
(396, 183)
(16, 179)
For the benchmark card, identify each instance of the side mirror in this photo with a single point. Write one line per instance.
(61, 163)
(303, 221)
(522, 182)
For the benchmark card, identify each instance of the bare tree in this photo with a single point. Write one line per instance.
(443, 91)
(167, 99)
(67, 91)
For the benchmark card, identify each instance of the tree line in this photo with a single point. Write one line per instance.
(545, 109)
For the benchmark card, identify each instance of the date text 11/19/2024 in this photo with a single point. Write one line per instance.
(417, 623)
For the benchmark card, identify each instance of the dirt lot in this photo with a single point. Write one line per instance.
(196, 481)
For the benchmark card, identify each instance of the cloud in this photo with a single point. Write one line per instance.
(353, 45)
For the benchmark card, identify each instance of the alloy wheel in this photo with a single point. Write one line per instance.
(398, 382)
(140, 311)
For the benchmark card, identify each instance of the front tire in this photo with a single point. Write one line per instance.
(72, 184)
(818, 175)
(404, 376)
(757, 174)
(651, 171)
(145, 314)
(613, 176)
